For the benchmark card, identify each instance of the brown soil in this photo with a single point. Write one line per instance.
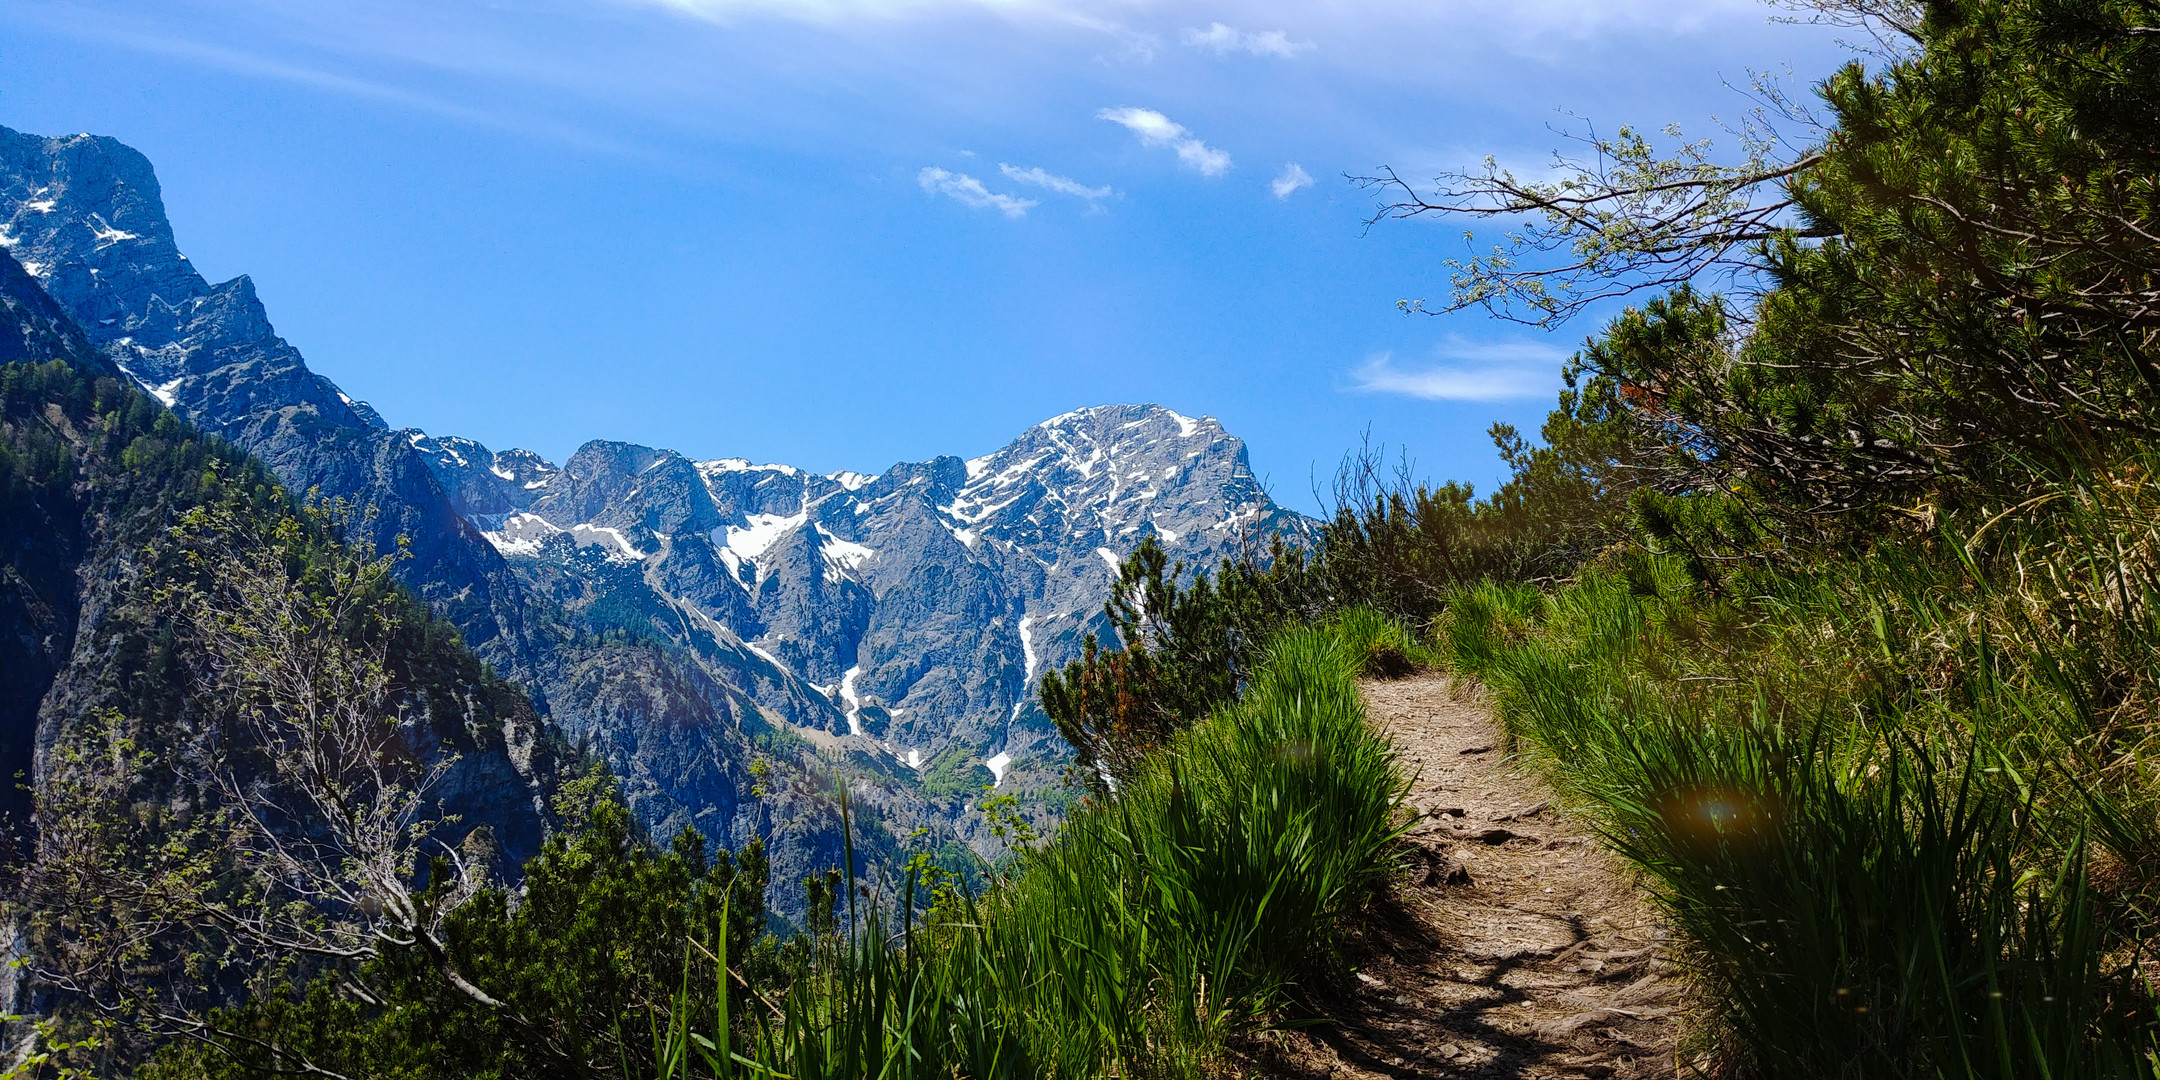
(1516, 947)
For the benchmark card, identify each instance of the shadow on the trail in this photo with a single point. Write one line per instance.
(1426, 1014)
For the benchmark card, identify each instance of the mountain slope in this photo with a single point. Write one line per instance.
(85, 217)
(94, 476)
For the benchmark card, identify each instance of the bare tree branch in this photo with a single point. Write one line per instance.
(1620, 218)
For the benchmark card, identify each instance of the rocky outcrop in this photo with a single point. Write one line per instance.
(43, 541)
(84, 216)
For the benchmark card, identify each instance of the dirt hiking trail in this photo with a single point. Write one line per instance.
(1518, 948)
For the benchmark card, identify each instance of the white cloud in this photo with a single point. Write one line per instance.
(1155, 129)
(1063, 185)
(1292, 177)
(969, 191)
(1202, 158)
(1495, 371)
(1226, 39)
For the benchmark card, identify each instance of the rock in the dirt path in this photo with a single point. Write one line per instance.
(1440, 869)
(1597, 1018)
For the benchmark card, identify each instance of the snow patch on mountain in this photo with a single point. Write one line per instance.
(852, 699)
(751, 541)
(730, 465)
(1027, 647)
(619, 547)
(842, 557)
(520, 535)
(105, 234)
(1028, 660)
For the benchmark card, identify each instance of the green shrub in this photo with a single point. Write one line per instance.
(602, 929)
(1185, 645)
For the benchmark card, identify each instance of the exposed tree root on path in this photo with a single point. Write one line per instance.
(1517, 948)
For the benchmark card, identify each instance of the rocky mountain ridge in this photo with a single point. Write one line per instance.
(903, 598)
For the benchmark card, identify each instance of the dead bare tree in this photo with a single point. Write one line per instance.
(322, 769)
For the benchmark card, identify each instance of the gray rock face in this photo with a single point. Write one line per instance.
(480, 483)
(696, 623)
(42, 550)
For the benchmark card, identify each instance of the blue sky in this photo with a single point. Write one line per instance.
(844, 233)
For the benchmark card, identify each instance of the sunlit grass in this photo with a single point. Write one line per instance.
(1901, 811)
(1158, 924)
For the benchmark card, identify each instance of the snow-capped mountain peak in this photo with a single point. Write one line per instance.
(936, 592)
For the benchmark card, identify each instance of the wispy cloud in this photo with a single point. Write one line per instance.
(1292, 177)
(1155, 129)
(1481, 371)
(969, 191)
(1063, 185)
(1225, 39)
(148, 36)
